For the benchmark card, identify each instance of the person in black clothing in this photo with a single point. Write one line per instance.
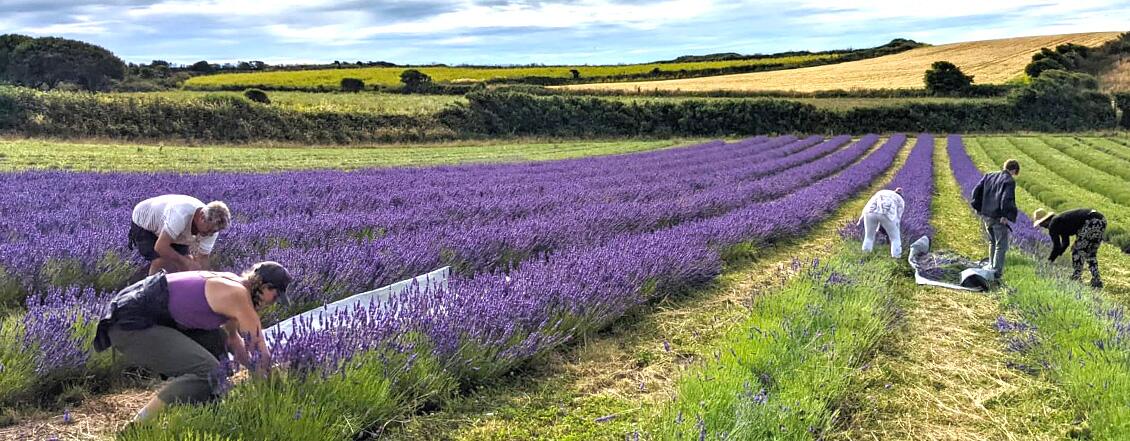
(1088, 226)
(995, 200)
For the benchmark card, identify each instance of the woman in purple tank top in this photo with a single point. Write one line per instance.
(180, 325)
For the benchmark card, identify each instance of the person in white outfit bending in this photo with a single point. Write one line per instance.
(883, 210)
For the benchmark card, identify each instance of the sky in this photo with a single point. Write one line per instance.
(511, 32)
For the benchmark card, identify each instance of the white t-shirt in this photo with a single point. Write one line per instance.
(172, 214)
(888, 203)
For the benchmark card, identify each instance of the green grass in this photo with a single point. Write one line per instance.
(1038, 187)
(366, 102)
(390, 76)
(779, 374)
(25, 154)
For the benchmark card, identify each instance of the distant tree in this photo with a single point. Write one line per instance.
(257, 95)
(156, 63)
(258, 65)
(8, 43)
(49, 61)
(352, 85)
(1060, 58)
(655, 72)
(201, 67)
(576, 73)
(1038, 67)
(243, 65)
(415, 80)
(1068, 48)
(944, 77)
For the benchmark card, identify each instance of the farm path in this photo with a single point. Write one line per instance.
(946, 375)
(605, 387)
(97, 418)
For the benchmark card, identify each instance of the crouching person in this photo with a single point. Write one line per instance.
(181, 325)
(176, 232)
(1088, 226)
(884, 209)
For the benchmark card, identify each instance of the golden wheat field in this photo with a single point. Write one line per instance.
(989, 61)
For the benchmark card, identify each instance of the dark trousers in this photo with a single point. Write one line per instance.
(190, 358)
(1086, 249)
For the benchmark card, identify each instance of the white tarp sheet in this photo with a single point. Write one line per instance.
(431, 281)
(920, 253)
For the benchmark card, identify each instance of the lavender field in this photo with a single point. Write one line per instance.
(545, 256)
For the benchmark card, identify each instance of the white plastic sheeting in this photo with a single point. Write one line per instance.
(977, 278)
(435, 280)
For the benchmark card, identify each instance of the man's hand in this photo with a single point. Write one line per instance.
(1004, 221)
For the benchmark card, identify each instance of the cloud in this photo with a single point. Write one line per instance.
(530, 31)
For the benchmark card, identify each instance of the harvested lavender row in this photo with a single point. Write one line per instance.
(1025, 235)
(488, 323)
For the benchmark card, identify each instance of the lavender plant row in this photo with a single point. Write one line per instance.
(916, 178)
(353, 264)
(1026, 236)
(371, 249)
(487, 323)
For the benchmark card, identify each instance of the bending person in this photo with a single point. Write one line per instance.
(181, 325)
(176, 232)
(884, 209)
(1088, 226)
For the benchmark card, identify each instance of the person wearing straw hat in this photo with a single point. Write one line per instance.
(994, 198)
(884, 209)
(1087, 225)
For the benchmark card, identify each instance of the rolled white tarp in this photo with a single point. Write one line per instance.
(921, 248)
(435, 280)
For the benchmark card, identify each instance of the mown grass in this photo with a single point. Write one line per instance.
(26, 154)
(390, 76)
(946, 374)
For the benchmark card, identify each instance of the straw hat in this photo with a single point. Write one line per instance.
(1041, 215)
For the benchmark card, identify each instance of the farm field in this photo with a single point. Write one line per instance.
(22, 154)
(990, 62)
(632, 278)
(390, 76)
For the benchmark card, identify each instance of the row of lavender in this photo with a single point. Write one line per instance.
(487, 323)
(695, 182)
(490, 324)
(916, 178)
(1025, 235)
(386, 232)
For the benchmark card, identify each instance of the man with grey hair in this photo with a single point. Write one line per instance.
(176, 232)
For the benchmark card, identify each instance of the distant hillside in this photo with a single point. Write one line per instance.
(683, 67)
(990, 62)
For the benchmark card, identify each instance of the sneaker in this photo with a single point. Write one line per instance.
(1098, 284)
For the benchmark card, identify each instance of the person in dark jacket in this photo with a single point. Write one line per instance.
(1087, 225)
(995, 200)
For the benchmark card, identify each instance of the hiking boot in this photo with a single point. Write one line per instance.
(1096, 283)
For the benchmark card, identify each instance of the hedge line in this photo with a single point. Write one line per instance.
(1122, 99)
(504, 113)
(210, 118)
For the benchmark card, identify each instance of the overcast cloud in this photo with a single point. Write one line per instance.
(530, 31)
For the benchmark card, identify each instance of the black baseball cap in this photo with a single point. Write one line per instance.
(276, 275)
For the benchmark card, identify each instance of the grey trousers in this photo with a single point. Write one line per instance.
(171, 353)
(998, 242)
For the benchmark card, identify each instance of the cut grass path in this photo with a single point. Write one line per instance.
(607, 386)
(23, 154)
(945, 375)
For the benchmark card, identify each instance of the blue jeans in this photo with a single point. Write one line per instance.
(998, 242)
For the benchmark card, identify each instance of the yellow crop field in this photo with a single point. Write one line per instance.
(390, 76)
(989, 61)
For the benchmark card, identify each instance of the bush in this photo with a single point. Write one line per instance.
(352, 85)
(257, 95)
(1058, 101)
(1038, 67)
(415, 80)
(944, 78)
(1123, 101)
(47, 62)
